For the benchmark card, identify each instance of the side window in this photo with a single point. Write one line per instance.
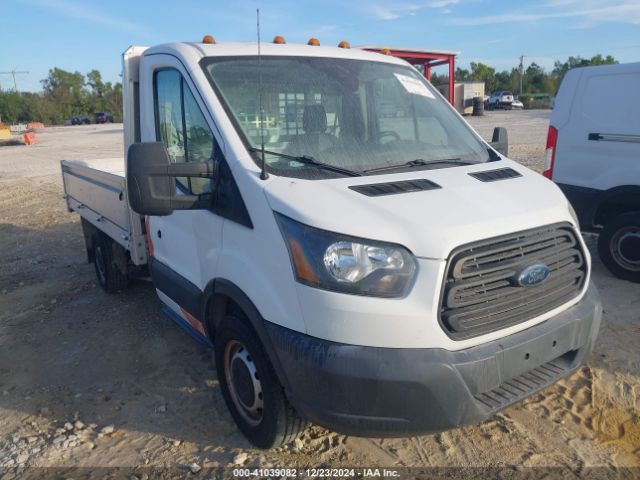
(168, 100)
(181, 126)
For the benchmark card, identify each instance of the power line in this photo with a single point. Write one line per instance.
(521, 71)
(585, 51)
(13, 74)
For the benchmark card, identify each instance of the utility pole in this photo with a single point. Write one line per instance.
(521, 71)
(13, 74)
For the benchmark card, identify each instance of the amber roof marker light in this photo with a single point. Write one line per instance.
(208, 39)
(344, 44)
(279, 39)
(313, 41)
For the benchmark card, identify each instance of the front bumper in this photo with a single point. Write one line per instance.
(385, 392)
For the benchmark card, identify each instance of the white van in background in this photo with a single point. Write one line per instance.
(593, 154)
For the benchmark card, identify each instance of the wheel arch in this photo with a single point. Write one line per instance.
(221, 297)
(616, 201)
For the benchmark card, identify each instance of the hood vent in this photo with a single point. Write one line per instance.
(495, 175)
(393, 188)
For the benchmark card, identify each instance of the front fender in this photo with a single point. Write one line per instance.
(226, 288)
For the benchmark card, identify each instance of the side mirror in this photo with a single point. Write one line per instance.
(151, 184)
(500, 140)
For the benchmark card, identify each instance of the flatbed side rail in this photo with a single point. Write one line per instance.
(100, 198)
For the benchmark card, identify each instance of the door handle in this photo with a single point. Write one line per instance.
(614, 137)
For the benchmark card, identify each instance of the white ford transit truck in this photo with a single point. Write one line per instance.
(354, 252)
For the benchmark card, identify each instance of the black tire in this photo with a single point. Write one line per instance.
(110, 277)
(251, 388)
(619, 246)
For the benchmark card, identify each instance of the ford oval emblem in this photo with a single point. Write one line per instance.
(533, 275)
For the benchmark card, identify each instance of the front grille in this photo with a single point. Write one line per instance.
(480, 294)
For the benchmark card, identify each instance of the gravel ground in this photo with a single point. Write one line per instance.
(93, 380)
(527, 133)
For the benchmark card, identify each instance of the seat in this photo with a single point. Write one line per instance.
(314, 139)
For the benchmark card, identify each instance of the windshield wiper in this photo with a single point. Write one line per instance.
(418, 162)
(309, 160)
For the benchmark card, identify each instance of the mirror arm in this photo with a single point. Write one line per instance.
(184, 202)
(188, 202)
(202, 170)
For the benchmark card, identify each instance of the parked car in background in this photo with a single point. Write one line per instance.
(500, 99)
(593, 154)
(104, 117)
(80, 120)
(517, 104)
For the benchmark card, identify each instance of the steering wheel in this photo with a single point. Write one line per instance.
(389, 133)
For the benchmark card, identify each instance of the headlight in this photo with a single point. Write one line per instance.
(337, 262)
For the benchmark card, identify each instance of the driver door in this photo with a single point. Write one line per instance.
(186, 243)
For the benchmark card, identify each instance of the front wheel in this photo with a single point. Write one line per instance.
(250, 387)
(619, 246)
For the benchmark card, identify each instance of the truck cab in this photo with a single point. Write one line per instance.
(357, 255)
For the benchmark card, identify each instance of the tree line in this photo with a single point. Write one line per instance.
(538, 85)
(64, 94)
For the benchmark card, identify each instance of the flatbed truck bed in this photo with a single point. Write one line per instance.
(96, 190)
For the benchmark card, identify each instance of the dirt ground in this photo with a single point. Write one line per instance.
(94, 380)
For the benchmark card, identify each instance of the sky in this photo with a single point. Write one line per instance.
(36, 35)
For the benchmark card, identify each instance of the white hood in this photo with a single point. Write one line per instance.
(429, 223)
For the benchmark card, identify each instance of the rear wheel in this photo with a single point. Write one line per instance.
(111, 276)
(619, 246)
(251, 388)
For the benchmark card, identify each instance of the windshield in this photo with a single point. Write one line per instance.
(358, 115)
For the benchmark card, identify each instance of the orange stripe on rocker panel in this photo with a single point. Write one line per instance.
(193, 321)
